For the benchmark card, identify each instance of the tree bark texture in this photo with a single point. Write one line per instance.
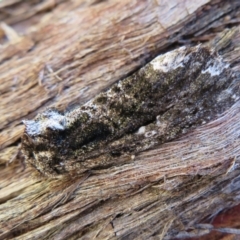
(63, 58)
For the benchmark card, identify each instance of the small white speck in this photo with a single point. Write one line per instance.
(141, 130)
(235, 97)
(158, 122)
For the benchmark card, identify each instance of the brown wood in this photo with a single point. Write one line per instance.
(66, 58)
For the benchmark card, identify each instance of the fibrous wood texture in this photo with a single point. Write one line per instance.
(67, 58)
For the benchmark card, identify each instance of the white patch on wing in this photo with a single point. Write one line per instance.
(215, 67)
(49, 119)
(171, 60)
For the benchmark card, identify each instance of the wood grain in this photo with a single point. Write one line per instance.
(69, 58)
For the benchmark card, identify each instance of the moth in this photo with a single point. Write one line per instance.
(166, 98)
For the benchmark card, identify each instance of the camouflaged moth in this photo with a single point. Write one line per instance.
(172, 94)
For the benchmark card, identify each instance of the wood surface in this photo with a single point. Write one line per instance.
(63, 53)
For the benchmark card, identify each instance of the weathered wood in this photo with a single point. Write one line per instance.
(164, 191)
(70, 60)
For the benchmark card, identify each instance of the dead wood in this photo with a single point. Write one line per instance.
(69, 58)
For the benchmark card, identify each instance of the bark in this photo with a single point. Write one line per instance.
(66, 59)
